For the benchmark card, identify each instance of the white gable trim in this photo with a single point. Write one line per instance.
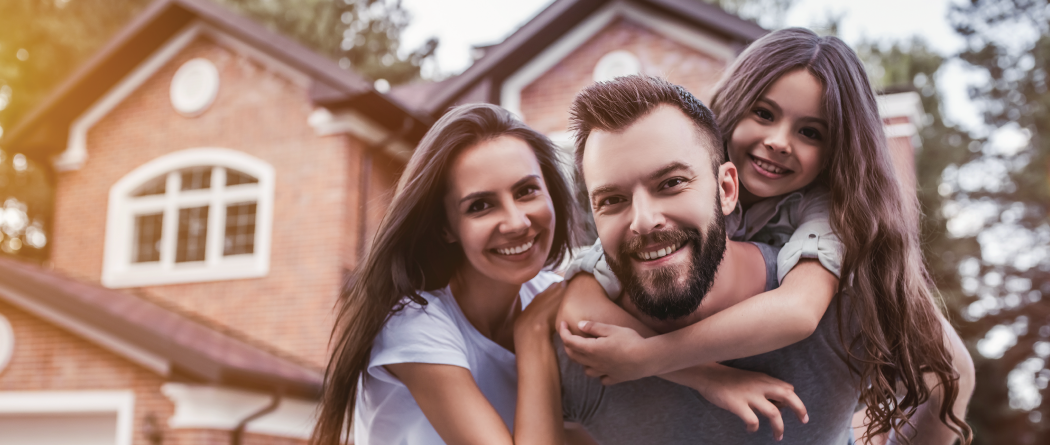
(60, 402)
(216, 407)
(113, 343)
(510, 91)
(325, 123)
(76, 149)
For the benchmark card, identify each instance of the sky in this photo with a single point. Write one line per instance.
(461, 24)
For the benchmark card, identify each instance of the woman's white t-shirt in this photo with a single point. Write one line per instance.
(438, 333)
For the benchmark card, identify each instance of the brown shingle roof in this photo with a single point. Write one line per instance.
(194, 351)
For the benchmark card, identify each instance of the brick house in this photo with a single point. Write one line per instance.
(216, 181)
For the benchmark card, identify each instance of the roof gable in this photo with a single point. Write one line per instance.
(562, 18)
(45, 130)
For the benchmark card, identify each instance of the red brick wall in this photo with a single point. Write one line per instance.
(545, 102)
(264, 114)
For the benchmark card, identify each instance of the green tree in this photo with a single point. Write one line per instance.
(43, 41)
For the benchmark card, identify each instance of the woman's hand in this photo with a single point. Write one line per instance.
(743, 393)
(537, 320)
(616, 354)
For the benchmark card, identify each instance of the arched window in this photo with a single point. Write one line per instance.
(200, 214)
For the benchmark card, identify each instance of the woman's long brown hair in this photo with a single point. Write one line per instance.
(409, 255)
(899, 337)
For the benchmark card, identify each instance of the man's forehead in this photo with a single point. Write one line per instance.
(662, 137)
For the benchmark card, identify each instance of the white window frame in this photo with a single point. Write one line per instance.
(68, 402)
(119, 271)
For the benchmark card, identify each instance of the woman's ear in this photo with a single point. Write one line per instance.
(447, 235)
(729, 187)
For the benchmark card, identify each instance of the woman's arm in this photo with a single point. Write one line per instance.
(765, 322)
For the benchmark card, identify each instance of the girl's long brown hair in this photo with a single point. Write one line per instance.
(409, 255)
(899, 337)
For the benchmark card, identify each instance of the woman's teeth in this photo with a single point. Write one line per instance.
(769, 167)
(649, 256)
(516, 250)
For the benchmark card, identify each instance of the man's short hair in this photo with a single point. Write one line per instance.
(614, 105)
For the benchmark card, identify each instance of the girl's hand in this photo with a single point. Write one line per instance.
(537, 320)
(743, 393)
(615, 354)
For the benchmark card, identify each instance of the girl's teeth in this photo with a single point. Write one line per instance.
(769, 167)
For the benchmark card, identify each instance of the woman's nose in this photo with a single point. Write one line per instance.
(517, 220)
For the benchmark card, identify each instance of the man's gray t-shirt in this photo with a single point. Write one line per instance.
(656, 411)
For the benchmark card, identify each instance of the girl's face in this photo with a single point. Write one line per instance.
(778, 146)
(499, 210)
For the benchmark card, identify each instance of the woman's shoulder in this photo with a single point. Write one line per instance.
(541, 282)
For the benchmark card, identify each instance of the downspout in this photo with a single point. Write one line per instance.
(238, 433)
(364, 188)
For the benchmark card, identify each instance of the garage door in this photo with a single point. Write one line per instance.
(59, 429)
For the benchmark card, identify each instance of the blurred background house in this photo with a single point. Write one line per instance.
(186, 195)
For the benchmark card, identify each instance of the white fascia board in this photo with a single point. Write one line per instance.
(907, 104)
(325, 123)
(121, 402)
(147, 359)
(216, 407)
(76, 149)
(510, 90)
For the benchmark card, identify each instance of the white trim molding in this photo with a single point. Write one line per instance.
(76, 149)
(118, 269)
(215, 407)
(510, 91)
(62, 402)
(325, 123)
(908, 105)
(7, 342)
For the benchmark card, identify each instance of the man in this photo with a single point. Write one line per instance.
(657, 183)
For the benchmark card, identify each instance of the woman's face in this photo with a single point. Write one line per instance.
(778, 145)
(499, 210)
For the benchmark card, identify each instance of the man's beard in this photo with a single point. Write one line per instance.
(669, 293)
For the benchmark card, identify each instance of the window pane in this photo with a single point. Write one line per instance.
(196, 178)
(234, 177)
(240, 229)
(147, 238)
(193, 230)
(155, 186)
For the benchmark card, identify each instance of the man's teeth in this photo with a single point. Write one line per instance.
(769, 167)
(516, 250)
(648, 256)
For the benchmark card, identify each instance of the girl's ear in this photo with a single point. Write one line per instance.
(729, 187)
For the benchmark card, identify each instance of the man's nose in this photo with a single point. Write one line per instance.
(515, 220)
(647, 216)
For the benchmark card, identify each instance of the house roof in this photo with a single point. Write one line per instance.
(501, 60)
(45, 129)
(188, 349)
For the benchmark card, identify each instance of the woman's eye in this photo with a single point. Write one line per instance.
(478, 206)
(811, 133)
(762, 113)
(527, 191)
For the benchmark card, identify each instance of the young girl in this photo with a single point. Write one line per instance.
(432, 322)
(802, 126)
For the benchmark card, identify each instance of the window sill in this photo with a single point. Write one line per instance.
(138, 275)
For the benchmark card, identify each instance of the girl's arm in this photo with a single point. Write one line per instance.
(763, 323)
(742, 393)
(455, 406)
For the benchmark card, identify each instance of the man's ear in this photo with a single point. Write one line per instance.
(728, 186)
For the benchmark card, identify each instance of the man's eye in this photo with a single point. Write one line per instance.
(673, 182)
(763, 113)
(811, 133)
(478, 206)
(609, 201)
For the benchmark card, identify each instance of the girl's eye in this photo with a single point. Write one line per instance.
(762, 113)
(811, 133)
(478, 206)
(673, 182)
(527, 191)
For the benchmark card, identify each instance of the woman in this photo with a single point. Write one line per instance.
(430, 322)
